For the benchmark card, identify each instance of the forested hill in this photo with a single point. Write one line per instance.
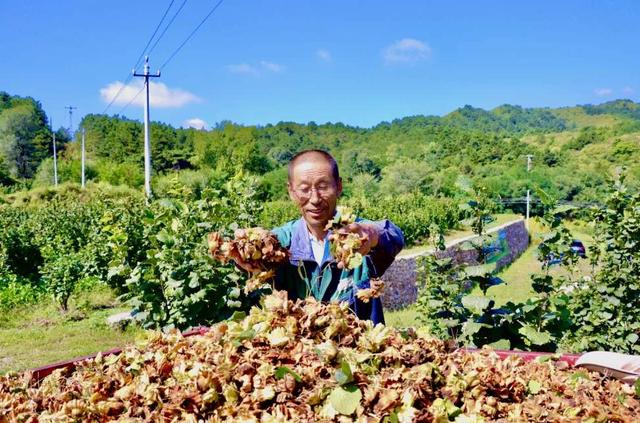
(575, 149)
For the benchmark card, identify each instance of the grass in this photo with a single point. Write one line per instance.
(41, 334)
(517, 276)
(403, 318)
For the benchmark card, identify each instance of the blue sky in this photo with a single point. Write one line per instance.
(358, 62)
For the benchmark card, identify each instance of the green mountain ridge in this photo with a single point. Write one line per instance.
(575, 149)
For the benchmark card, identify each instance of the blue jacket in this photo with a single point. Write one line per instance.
(302, 276)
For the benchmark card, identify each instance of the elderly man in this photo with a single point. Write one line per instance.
(314, 186)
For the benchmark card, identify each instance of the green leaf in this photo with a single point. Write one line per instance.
(181, 207)
(355, 261)
(636, 387)
(576, 376)
(283, 370)
(470, 328)
(476, 303)
(247, 334)
(166, 203)
(501, 344)
(632, 338)
(548, 357)
(343, 374)
(443, 409)
(163, 236)
(238, 316)
(480, 270)
(534, 336)
(534, 386)
(345, 399)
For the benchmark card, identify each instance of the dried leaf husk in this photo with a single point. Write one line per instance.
(257, 247)
(308, 362)
(345, 245)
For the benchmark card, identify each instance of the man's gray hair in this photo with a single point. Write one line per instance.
(328, 157)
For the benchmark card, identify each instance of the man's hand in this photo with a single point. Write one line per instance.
(368, 232)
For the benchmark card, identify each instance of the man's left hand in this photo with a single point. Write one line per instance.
(369, 233)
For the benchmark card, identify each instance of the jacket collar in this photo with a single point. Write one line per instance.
(300, 248)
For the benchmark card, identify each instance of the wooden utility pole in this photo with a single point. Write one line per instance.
(147, 141)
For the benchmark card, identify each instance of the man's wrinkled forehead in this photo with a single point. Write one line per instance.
(312, 162)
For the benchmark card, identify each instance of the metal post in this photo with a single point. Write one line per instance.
(82, 160)
(55, 157)
(527, 220)
(70, 108)
(147, 141)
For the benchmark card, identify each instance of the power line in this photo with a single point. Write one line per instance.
(191, 34)
(127, 80)
(130, 75)
(166, 27)
(153, 35)
(132, 99)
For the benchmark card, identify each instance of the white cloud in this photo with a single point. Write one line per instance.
(159, 94)
(324, 55)
(603, 92)
(628, 90)
(196, 123)
(262, 67)
(272, 67)
(243, 68)
(406, 50)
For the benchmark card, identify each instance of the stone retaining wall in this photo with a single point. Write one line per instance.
(502, 245)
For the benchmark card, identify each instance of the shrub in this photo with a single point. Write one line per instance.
(578, 311)
(195, 181)
(177, 283)
(69, 170)
(120, 173)
(277, 213)
(15, 293)
(413, 213)
(605, 308)
(60, 276)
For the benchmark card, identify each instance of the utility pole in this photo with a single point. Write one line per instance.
(82, 160)
(71, 109)
(147, 142)
(55, 157)
(529, 157)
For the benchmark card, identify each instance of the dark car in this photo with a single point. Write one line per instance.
(578, 247)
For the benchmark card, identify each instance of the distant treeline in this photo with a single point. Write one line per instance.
(574, 151)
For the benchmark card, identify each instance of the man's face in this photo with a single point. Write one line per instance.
(313, 188)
